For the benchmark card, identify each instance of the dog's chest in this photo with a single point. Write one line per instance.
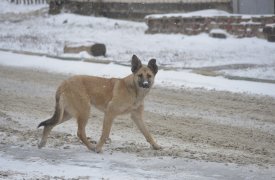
(130, 106)
(137, 103)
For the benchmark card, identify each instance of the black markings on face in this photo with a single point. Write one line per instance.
(144, 80)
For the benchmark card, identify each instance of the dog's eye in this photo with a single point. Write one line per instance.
(140, 76)
(149, 76)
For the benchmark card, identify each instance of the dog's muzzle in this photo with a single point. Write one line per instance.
(145, 84)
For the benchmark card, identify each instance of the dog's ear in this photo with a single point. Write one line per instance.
(136, 64)
(153, 66)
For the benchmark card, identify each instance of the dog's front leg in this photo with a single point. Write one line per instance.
(137, 116)
(107, 124)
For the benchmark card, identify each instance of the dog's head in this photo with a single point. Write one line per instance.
(144, 75)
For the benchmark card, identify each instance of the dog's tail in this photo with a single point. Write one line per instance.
(57, 116)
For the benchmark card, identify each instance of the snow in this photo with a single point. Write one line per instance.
(219, 31)
(48, 34)
(164, 78)
(96, 167)
(76, 164)
(68, 169)
(7, 7)
(263, 72)
(271, 25)
(203, 13)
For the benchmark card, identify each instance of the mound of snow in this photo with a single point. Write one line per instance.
(202, 13)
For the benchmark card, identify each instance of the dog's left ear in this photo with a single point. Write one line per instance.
(153, 66)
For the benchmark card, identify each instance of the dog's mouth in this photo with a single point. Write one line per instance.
(144, 84)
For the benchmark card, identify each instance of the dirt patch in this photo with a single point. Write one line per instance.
(195, 124)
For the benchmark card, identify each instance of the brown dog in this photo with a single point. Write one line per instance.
(114, 97)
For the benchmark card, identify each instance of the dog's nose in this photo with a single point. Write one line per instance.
(145, 84)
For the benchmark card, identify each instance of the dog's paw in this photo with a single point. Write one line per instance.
(98, 150)
(108, 141)
(156, 147)
(41, 145)
(91, 147)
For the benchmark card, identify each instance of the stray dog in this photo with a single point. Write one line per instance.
(75, 96)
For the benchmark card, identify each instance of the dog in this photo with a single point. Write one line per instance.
(114, 96)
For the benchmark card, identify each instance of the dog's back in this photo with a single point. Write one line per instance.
(96, 91)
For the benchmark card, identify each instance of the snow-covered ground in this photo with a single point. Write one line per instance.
(48, 34)
(165, 78)
(204, 135)
(118, 166)
(262, 72)
(203, 13)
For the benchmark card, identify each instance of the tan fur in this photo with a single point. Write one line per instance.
(114, 97)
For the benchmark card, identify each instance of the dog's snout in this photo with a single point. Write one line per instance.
(145, 84)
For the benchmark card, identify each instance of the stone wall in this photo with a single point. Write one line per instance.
(240, 26)
(133, 11)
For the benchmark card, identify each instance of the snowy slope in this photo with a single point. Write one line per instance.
(48, 34)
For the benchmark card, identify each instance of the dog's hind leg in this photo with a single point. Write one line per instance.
(46, 132)
(48, 128)
(49, 124)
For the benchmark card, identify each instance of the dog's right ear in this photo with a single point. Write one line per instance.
(136, 64)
